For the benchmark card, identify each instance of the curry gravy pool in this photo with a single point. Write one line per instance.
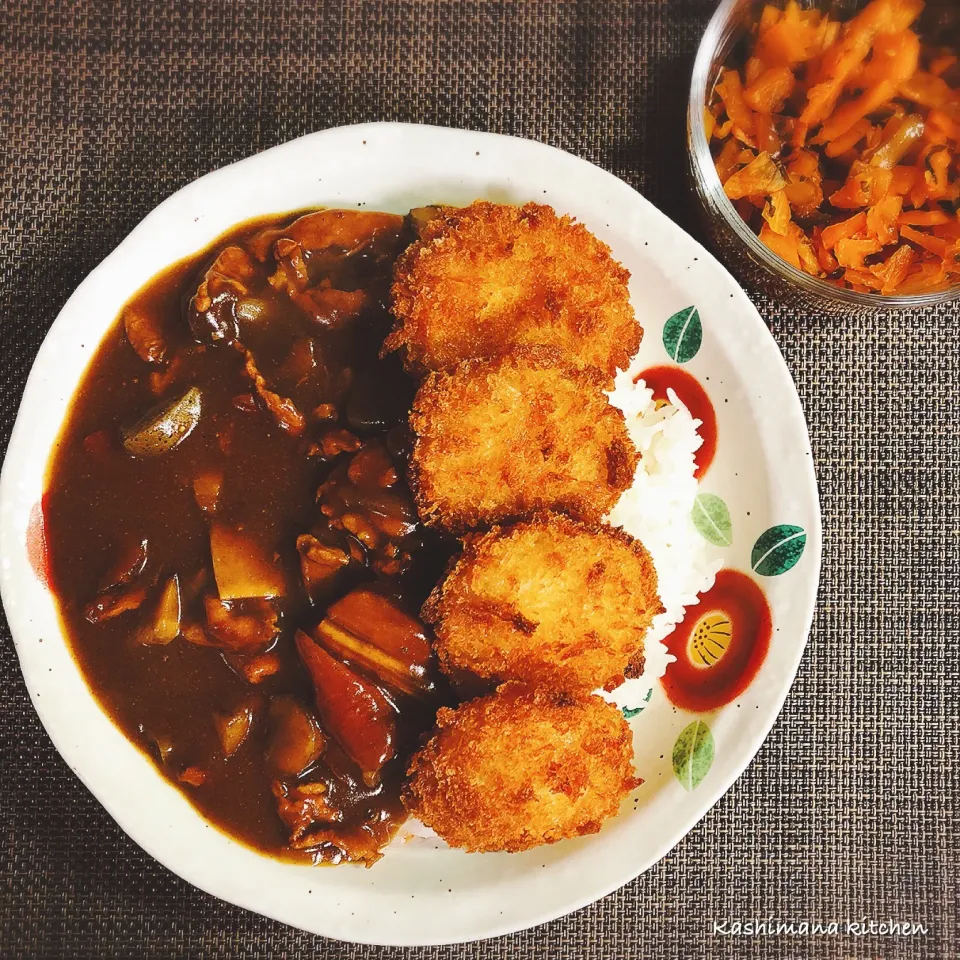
(232, 464)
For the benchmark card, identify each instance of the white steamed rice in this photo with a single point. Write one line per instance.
(657, 511)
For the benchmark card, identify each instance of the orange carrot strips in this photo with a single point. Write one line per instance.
(792, 13)
(761, 177)
(933, 270)
(787, 248)
(926, 90)
(726, 160)
(901, 14)
(923, 280)
(768, 18)
(847, 141)
(842, 60)
(852, 252)
(918, 192)
(768, 140)
(933, 244)
(844, 230)
(829, 116)
(949, 232)
(747, 139)
(828, 262)
(804, 183)
(730, 91)
(923, 218)
(787, 44)
(769, 92)
(951, 259)
(935, 136)
(936, 175)
(915, 284)
(709, 123)
(777, 213)
(862, 280)
(895, 57)
(904, 180)
(893, 271)
(865, 186)
(827, 34)
(882, 222)
(845, 117)
(940, 120)
(752, 69)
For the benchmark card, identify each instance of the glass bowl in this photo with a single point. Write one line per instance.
(738, 246)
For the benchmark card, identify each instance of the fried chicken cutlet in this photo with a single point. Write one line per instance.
(516, 435)
(518, 768)
(550, 601)
(488, 278)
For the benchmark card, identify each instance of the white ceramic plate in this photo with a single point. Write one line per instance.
(422, 892)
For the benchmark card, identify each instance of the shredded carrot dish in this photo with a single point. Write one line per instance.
(838, 143)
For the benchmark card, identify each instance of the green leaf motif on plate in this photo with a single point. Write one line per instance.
(630, 712)
(777, 550)
(712, 518)
(693, 754)
(683, 334)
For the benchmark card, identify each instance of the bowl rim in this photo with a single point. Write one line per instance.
(711, 193)
(189, 863)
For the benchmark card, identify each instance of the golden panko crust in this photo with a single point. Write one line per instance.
(499, 439)
(486, 279)
(550, 601)
(520, 768)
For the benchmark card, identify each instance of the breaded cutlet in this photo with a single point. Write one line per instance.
(550, 601)
(521, 767)
(488, 278)
(504, 438)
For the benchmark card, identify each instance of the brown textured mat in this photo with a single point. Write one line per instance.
(850, 809)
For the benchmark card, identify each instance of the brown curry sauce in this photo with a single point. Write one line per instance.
(190, 571)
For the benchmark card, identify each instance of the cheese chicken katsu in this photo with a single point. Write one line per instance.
(520, 768)
(490, 278)
(505, 437)
(549, 601)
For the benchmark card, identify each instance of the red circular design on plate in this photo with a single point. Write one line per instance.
(720, 644)
(695, 399)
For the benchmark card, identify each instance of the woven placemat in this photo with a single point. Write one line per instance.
(849, 811)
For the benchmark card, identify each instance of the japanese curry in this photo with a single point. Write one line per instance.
(232, 543)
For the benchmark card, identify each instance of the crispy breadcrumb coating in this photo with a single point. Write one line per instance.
(520, 768)
(550, 601)
(489, 278)
(504, 438)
